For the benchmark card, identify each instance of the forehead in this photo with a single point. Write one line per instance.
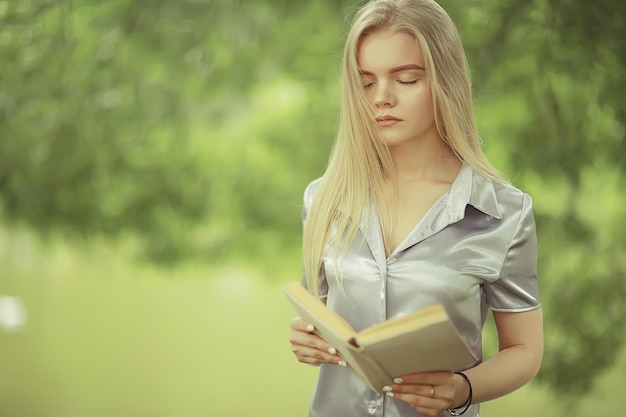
(381, 50)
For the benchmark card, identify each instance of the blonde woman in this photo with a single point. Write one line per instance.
(410, 213)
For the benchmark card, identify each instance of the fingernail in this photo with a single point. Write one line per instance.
(389, 394)
(332, 351)
(342, 363)
(397, 380)
(387, 388)
(310, 328)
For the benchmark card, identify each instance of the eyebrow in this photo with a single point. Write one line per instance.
(400, 68)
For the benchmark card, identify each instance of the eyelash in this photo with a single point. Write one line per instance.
(401, 82)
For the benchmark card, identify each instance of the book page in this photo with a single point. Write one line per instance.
(399, 325)
(437, 347)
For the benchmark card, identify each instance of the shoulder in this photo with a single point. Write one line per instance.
(516, 211)
(310, 191)
(500, 200)
(512, 201)
(510, 196)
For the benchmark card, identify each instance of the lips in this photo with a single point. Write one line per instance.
(387, 120)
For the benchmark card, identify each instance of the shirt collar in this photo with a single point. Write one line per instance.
(472, 188)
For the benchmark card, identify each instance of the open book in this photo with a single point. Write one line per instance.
(425, 340)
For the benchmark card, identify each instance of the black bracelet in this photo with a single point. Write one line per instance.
(467, 402)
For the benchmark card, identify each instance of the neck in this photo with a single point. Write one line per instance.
(424, 161)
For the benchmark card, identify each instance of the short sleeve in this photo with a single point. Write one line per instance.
(309, 193)
(516, 290)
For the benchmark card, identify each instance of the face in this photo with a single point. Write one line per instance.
(396, 85)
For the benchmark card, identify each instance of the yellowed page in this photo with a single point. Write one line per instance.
(410, 322)
(436, 347)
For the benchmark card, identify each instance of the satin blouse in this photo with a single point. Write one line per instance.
(474, 250)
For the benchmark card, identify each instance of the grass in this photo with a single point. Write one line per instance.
(107, 336)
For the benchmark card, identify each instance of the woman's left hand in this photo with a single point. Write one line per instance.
(429, 393)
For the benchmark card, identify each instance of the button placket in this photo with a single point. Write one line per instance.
(372, 406)
(383, 292)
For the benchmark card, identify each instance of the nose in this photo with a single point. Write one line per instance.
(384, 96)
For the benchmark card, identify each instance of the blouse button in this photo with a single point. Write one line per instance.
(372, 407)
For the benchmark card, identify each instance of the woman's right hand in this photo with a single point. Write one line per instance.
(309, 348)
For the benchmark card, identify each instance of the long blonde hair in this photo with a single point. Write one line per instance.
(360, 163)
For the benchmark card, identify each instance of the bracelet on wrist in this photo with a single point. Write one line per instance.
(465, 406)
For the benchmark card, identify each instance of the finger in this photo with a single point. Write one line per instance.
(417, 389)
(311, 355)
(301, 325)
(423, 404)
(428, 378)
(314, 356)
(301, 334)
(439, 392)
(311, 340)
(312, 349)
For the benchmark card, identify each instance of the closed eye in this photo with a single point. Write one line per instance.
(407, 82)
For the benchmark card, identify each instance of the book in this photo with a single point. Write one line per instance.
(422, 341)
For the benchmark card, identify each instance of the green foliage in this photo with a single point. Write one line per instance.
(196, 126)
(94, 133)
(136, 116)
(562, 60)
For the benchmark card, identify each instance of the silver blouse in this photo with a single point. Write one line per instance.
(475, 249)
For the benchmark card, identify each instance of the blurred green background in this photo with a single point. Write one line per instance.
(153, 156)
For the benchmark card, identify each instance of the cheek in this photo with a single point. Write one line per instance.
(420, 104)
(423, 102)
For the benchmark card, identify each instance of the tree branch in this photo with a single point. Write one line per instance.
(13, 19)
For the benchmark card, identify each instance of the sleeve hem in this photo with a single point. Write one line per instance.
(515, 309)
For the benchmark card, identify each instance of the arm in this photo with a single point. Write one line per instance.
(520, 349)
(520, 335)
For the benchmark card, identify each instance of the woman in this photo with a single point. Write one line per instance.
(410, 213)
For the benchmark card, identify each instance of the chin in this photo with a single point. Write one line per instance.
(391, 141)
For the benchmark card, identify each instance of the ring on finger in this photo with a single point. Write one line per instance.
(432, 391)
